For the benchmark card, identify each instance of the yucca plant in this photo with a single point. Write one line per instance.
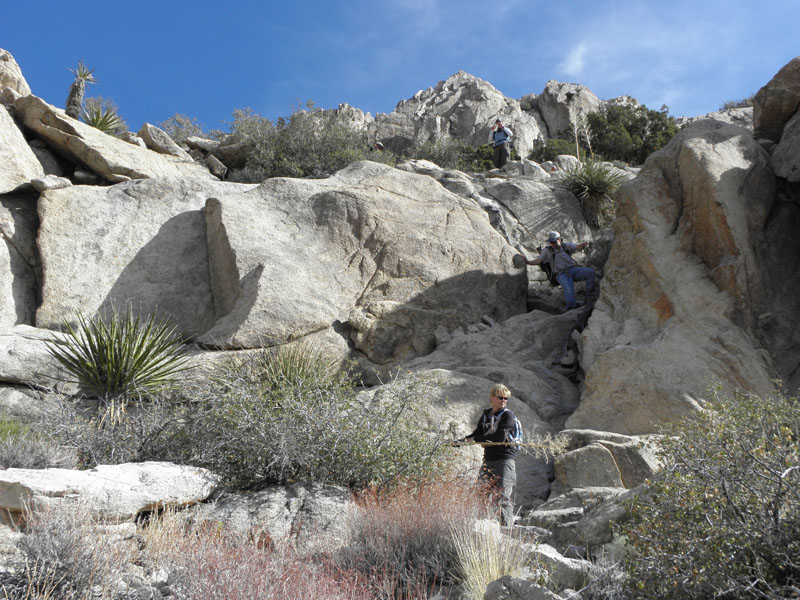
(120, 356)
(83, 76)
(593, 183)
(103, 114)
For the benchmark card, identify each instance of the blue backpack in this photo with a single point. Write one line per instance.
(514, 435)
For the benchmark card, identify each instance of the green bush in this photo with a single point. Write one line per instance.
(310, 143)
(272, 417)
(544, 151)
(741, 103)
(449, 153)
(630, 132)
(287, 415)
(179, 127)
(723, 518)
(594, 183)
(119, 355)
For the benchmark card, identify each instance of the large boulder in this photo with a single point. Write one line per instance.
(562, 104)
(109, 157)
(24, 359)
(20, 271)
(140, 243)
(11, 75)
(158, 140)
(113, 493)
(20, 164)
(390, 254)
(310, 517)
(786, 155)
(462, 107)
(537, 207)
(776, 102)
(683, 285)
(518, 352)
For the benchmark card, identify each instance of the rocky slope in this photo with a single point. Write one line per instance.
(412, 267)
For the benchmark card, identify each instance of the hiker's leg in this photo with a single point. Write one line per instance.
(565, 281)
(496, 156)
(503, 154)
(508, 480)
(586, 274)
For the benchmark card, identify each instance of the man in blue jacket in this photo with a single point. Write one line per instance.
(499, 138)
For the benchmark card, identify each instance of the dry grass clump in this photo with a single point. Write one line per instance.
(206, 560)
(484, 555)
(66, 555)
(402, 539)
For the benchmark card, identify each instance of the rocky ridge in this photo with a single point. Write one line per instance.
(412, 267)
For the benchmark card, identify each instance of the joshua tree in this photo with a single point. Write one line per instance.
(83, 75)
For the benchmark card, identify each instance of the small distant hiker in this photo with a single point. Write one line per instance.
(499, 466)
(559, 254)
(499, 138)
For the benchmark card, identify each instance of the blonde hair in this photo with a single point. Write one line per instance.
(499, 388)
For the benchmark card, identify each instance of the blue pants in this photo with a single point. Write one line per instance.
(569, 276)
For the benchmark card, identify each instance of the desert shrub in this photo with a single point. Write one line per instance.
(741, 103)
(208, 561)
(103, 114)
(309, 143)
(544, 151)
(594, 183)
(66, 555)
(450, 153)
(137, 433)
(278, 416)
(630, 132)
(180, 126)
(723, 518)
(120, 355)
(402, 540)
(273, 417)
(28, 450)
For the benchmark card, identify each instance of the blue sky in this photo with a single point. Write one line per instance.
(204, 59)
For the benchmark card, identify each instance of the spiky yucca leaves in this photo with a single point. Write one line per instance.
(120, 356)
(103, 114)
(593, 183)
(83, 76)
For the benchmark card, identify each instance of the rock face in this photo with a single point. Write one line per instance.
(20, 270)
(146, 242)
(20, 164)
(777, 102)
(116, 493)
(107, 156)
(462, 107)
(561, 104)
(684, 285)
(383, 251)
(11, 75)
(312, 517)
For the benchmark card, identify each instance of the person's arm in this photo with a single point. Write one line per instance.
(508, 133)
(581, 246)
(539, 259)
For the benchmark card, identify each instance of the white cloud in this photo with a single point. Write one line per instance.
(574, 64)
